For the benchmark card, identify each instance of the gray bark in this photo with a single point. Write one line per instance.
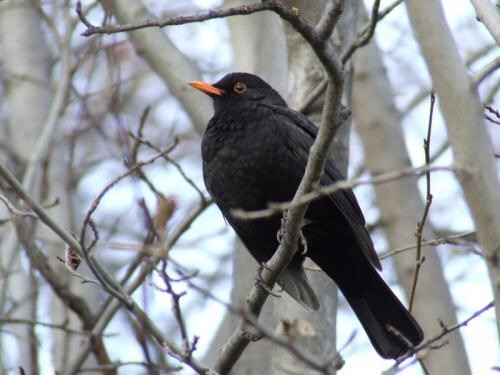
(471, 145)
(26, 68)
(488, 14)
(378, 123)
(175, 69)
(34, 115)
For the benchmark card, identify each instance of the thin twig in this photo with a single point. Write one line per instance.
(14, 212)
(112, 305)
(171, 21)
(322, 48)
(261, 331)
(428, 201)
(445, 330)
(365, 35)
(61, 326)
(436, 242)
(177, 311)
(37, 208)
(313, 96)
(340, 185)
(320, 89)
(177, 166)
(105, 279)
(87, 221)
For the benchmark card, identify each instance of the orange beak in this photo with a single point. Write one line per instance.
(207, 88)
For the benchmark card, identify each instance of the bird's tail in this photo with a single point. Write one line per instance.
(388, 324)
(294, 282)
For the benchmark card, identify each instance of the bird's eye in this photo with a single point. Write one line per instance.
(240, 88)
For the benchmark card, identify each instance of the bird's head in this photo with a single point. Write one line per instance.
(239, 87)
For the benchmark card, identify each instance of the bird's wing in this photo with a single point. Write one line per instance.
(301, 134)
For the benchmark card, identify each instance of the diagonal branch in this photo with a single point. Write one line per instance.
(365, 35)
(445, 330)
(327, 23)
(489, 16)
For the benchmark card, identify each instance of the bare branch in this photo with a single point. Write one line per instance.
(171, 21)
(428, 201)
(486, 70)
(469, 139)
(37, 208)
(87, 221)
(488, 14)
(439, 241)
(261, 331)
(428, 344)
(60, 326)
(320, 89)
(14, 212)
(112, 305)
(327, 23)
(340, 185)
(365, 35)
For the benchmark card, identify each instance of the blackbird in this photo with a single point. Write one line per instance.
(254, 152)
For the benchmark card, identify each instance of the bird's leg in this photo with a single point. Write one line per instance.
(259, 283)
(302, 238)
(280, 233)
(303, 243)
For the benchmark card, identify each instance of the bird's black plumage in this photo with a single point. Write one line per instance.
(254, 151)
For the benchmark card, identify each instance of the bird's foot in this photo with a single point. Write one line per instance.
(260, 283)
(302, 237)
(280, 233)
(303, 243)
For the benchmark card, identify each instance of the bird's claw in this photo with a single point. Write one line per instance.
(281, 232)
(303, 242)
(259, 282)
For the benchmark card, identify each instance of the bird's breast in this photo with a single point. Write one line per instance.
(246, 166)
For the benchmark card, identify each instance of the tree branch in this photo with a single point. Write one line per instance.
(487, 13)
(428, 344)
(171, 21)
(327, 23)
(420, 225)
(365, 35)
(340, 185)
(469, 139)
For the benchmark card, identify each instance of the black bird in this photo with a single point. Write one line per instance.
(254, 151)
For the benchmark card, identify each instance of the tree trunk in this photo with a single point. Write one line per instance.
(26, 66)
(35, 109)
(469, 140)
(401, 207)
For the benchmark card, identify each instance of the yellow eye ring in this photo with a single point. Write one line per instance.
(240, 88)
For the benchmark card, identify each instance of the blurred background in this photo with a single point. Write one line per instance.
(77, 112)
